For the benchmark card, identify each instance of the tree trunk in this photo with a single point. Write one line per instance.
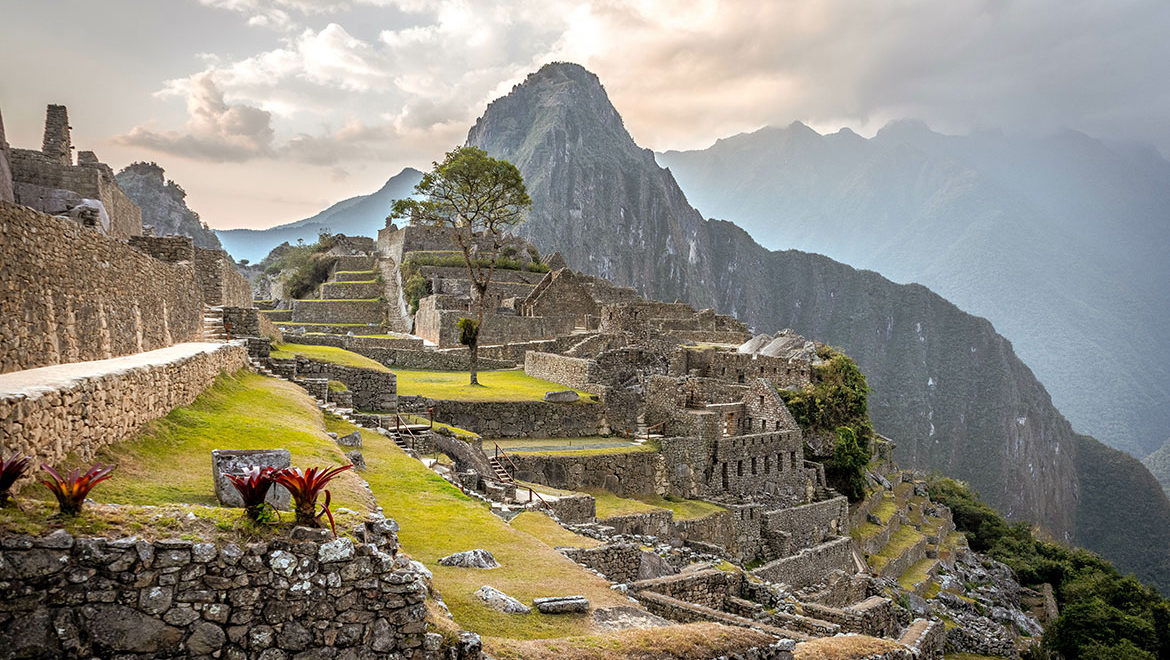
(473, 359)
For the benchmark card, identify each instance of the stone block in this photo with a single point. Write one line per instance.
(561, 604)
(235, 461)
(477, 558)
(561, 396)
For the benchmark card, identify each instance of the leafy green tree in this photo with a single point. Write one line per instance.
(847, 466)
(478, 198)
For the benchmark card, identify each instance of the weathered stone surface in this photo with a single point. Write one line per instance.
(477, 558)
(357, 459)
(118, 628)
(652, 566)
(235, 461)
(501, 601)
(561, 396)
(561, 604)
(352, 440)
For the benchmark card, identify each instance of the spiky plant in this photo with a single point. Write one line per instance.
(253, 486)
(72, 489)
(305, 487)
(10, 470)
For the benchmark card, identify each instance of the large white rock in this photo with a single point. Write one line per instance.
(498, 600)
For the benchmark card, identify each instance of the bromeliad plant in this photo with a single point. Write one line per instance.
(11, 470)
(253, 487)
(305, 487)
(72, 490)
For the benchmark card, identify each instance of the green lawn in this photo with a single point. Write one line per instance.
(684, 509)
(575, 446)
(501, 385)
(170, 462)
(610, 505)
(436, 520)
(327, 354)
(548, 530)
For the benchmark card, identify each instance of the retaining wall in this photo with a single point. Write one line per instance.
(811, 524)
(130, 598)
(513, 419)
(811, 565)
(626, 474)
(372, 390)
(50, 412)
(73, 294)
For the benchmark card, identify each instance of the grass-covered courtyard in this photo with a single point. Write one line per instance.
(497, 385)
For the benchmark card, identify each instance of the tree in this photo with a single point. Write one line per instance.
(478, 198)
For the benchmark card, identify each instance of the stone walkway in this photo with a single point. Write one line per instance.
(32, 383)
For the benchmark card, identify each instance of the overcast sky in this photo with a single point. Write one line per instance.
(268, 111)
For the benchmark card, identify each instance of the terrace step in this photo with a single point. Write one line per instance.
(354, 262)
(354, 275)
(351, 290)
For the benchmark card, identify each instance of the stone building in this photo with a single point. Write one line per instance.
(49, 181)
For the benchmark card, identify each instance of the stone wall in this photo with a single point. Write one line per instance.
(73, 294)
(62, 411)
(569, 371)
(709, 588)
(242, 321)
(516, 419)
(625, 474)
(221, 283)
(576, 509)
(400, 353)
(618, 562)
(810, 524)
(371, 390)
(439, 326)
(6, 193)
(810, 565)
(171, 249)
(130, 598)
(743, 368)
(339, 311)
(650, 523)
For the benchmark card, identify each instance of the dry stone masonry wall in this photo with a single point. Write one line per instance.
(76, 295)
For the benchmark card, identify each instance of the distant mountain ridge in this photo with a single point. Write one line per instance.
(363, 215)
(1059, 240)
(947, 387)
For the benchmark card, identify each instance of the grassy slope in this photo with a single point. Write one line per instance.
(546, 529)
(327, 354)
(506, 385)
(171, 461)
(437, 520)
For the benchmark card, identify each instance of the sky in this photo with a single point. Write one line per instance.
(266, 112)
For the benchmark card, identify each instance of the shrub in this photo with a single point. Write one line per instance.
(468, 331)
(305, 488)
(253, 487)
(10, 470)
(846, 469)
(72, 490)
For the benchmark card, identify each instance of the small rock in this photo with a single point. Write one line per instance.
(302, 533)
(501, 601)
(561, 396)
(336, 550)
(355, 456)
(561, 604)
(478, 558)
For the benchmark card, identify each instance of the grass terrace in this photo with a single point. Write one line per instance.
(586, 446)
(692, 641)
(437, 519)
(329, 354)
(900, 541)
(548, 530)
(498, 385)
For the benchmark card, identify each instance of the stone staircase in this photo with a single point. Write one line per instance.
(213, 329)
(398, 316)
(350, 302)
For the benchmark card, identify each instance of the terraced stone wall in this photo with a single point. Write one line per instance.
(810, 565)
(625, 474)
(74, 294)
(130, 598)
(811, 524)
(83, 415)
(518, 419)
(371, 390)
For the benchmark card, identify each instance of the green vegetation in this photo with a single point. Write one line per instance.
(916, 574)
(610, 505)
(437, 519)
(900, 541)
(169, 463)
(309, 265)
(1102, 614)
(337, 386)
(546, 529)
(329, 354)
(575, 446)
(683, 509)
(835, 402)
(503, 385)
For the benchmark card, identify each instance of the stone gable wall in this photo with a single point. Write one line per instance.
(222, 284)
(87, 414)
(77, 295)
(130, 598)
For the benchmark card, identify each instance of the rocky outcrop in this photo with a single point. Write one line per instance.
(946, 386)
(163, 204)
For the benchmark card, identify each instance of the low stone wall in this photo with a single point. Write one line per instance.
(339, 311)
(810, 524)
(399, 353)
(810, 565)
(574, 510)
(625, 474)
(899, 564)
(514, 419)
(709, 588)
(359, 344)
(651, 523)
(53, 411)
(130, 598)
(618, 562)
(926, 639)
(72, 294)
(569, 371)
(717, 529)
(372, 390)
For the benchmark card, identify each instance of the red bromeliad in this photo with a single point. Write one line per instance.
(253, 487)
(11, 470)
(305, 487)
(72, 490)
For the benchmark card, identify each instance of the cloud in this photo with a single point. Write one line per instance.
(215, 131)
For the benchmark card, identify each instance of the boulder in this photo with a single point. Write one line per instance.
(561, 604)
(498, 600)
(352, 440)
(653, 566)
(359, 461)
(561, 396)
(235, 461)
(477, 558)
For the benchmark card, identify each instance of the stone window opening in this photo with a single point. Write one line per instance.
(725, 484)
(754, 472)
(739, 468)
(767, 465)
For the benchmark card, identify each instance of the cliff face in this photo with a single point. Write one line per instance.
(947, 387)
(164, 205)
